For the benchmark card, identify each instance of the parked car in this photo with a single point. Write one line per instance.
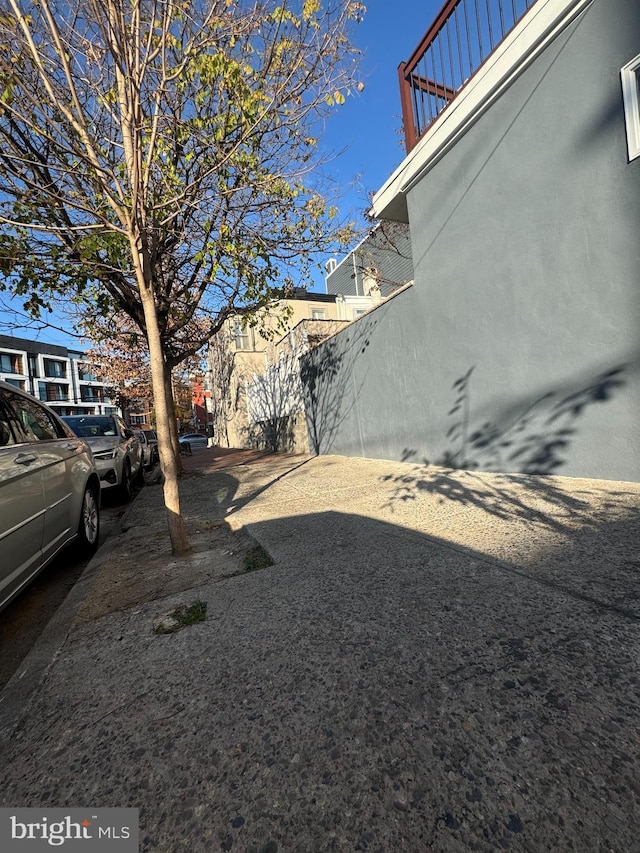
(49, 490)
(149, 441)
(117, 452)
(193, 439)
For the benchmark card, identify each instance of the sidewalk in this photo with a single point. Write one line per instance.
(435, 661)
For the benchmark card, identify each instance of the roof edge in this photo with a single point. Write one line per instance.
(533, 33)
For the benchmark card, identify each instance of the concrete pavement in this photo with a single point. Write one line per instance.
(435, 661)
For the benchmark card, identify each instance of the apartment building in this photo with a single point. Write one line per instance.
(60, 377)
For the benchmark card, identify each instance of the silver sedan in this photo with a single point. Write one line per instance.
(194, 439)
(117, 452)
(49, 490)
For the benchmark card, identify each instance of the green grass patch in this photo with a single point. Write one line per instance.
(181, 617)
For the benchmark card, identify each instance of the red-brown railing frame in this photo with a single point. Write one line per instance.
(410, 81)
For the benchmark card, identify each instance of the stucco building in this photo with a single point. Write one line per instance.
(517, 348)
(254, 372)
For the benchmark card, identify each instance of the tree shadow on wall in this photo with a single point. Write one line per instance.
(275, 434)
(315, 386)
(327, 375)
(532, 439)
(274, 403)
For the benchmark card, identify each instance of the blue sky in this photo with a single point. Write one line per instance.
(368, 124)
(365, 131)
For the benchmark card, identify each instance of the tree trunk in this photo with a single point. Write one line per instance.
(175, 444)
(165, 425)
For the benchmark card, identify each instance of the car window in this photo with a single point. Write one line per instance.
(24, 419)
(92, 427)
(6, 432)
(36, 422)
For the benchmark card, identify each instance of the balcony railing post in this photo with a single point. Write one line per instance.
(408, 121)
(436, 70)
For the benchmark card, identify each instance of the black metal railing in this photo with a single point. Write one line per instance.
(463, 35)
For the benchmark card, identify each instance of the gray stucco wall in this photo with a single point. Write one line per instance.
(518, 346)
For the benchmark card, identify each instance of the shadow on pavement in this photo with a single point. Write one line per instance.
(376, 689)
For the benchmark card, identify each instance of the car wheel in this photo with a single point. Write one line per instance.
(126, 486)
(89, 526)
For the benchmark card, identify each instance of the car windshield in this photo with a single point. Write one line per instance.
(92, 427)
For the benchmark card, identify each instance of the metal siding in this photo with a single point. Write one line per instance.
(388, 249)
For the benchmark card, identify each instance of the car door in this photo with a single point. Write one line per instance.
(56, 453)
(22, 502)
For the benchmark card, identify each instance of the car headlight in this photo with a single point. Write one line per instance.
(105, 454)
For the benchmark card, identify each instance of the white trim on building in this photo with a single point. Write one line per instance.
(630, 77)
(535, 31)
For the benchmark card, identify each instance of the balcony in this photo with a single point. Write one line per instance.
(306, 335)
(463, 35)
(91, 394)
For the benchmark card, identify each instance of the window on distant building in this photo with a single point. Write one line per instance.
(91, 395)
(51, 393)
(241, 335)
(10, 363)
(630, 75)
(55, 369)
(317, 314)
(137, 420)
(86, 373)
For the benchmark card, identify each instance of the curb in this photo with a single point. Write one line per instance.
(17, 694)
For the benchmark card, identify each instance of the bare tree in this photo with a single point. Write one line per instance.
(156, 158)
